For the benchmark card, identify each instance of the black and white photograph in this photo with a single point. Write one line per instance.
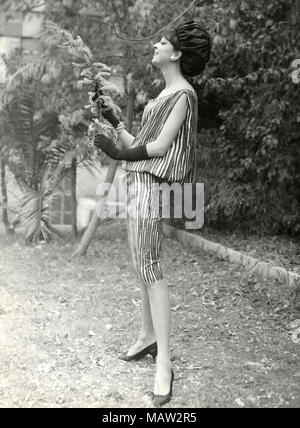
(149, 206)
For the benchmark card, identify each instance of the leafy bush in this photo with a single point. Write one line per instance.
(249, 133)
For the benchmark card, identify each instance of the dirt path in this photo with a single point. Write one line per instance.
(63, 325)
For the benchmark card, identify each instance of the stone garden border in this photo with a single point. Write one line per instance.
(253, 265)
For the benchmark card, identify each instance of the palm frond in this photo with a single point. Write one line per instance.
(56, 152)
(28, 72)
(34, 212)
(46, 126)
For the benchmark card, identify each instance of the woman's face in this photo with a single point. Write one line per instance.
(163, 51)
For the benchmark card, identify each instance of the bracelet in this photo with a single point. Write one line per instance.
(120, 127)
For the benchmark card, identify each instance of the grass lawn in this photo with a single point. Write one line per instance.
(63, 324)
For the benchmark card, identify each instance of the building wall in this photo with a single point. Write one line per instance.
(19, 30)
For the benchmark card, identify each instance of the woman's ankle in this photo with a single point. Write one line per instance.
(163, 362)
(147, 338)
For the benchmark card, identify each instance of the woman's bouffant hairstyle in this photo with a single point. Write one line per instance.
(195, 44)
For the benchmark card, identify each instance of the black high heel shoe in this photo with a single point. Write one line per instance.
(151, 350)
(160, 400)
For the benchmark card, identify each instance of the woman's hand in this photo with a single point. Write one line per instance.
(103, 142)
(107, 112)
(111, 116)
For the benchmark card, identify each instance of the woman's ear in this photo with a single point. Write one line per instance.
(176, 56)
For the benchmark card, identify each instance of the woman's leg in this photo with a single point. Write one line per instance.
(161, 315)
(144, 232)
(147, 330)
(147, 335)
(149, 233)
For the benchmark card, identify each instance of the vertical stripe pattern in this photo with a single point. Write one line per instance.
(179, 163)
(144, 226)
(144, 221)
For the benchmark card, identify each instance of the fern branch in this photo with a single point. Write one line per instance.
(89, 73)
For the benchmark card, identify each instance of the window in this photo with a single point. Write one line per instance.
(31, 46)
(61, 206)
(20, 30)
(9, 44)
(11, 24)
(32, 25)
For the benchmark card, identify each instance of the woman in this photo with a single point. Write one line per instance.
(163, 151)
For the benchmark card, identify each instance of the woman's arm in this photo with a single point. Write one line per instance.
(126, 139)
(161, 145)
(157, 148)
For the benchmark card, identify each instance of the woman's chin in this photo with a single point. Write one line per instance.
(154, 62)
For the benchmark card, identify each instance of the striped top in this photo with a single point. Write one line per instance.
(179, 163)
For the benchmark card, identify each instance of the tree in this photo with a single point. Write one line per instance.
(249, 107)
(4, 193)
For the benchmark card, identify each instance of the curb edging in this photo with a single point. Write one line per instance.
(266, 270)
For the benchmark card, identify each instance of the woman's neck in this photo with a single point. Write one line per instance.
(172, 77)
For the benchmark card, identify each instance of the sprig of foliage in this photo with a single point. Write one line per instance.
(88, 72)
(64, 38)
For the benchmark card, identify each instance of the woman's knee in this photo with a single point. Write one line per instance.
(157, 289)
(151, 274)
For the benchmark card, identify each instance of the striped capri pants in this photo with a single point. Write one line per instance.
(144, 225)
